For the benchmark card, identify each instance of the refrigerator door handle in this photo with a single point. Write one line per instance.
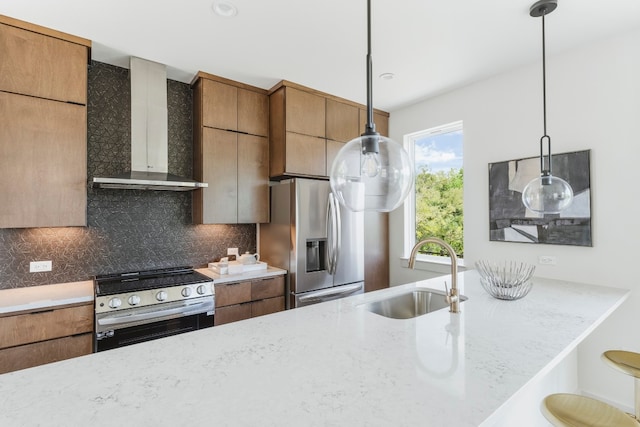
(333, 234)
(330, 243)
(337, 233)
(331, 293)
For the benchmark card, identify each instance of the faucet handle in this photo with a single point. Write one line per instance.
(449, 297)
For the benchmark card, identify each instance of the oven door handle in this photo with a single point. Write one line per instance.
(184, 310)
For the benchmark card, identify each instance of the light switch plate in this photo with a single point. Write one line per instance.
(232, 251)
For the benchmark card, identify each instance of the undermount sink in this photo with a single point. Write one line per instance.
(410, 304)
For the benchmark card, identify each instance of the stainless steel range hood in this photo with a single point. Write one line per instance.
(149, 135)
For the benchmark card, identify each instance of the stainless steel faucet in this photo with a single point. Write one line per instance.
(452, 297)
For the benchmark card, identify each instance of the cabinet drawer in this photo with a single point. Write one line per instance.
(29, 355)
(232, 293)
(267, 306)
(231, 313)
(31, 328)
(267, 288)
(46, 67)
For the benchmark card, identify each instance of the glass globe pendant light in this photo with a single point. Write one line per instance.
(371, 172)
(546, 194)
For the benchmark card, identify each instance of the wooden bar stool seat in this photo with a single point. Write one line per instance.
(572, 410)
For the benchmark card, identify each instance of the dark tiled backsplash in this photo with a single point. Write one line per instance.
(126, 229)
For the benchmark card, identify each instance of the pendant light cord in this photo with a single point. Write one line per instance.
(370, 126)
(544, 106)
(544, 79)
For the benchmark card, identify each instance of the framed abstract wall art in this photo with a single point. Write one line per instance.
(510, 221)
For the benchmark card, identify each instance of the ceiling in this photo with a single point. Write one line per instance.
(431, 46)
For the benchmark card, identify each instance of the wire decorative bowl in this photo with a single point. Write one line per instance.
(509, 280)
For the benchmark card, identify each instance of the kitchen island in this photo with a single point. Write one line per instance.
(330, 364)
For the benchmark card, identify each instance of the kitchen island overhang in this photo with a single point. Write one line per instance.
(333, 363)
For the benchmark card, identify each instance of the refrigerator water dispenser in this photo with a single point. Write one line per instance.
(316, 255)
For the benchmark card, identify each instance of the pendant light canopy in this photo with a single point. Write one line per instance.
(371, 172)
(546, 194)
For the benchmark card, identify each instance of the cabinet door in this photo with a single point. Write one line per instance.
(342, 121)
(376, 251)
(219, 105)
(232, 293)
(43, 162)
(253, 179)
(253, 112)
(305, 155)
(232, 313)
(333, 147)
(26, 356)
(267, 306)
(220, 170)
(38, 65)
(305, 113)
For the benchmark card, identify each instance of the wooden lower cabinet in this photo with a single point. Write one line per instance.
(243, 300)
(29, 355)
(232, 313)
(33, 339)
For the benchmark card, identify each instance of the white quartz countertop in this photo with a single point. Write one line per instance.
(330, 364)
(45, 297)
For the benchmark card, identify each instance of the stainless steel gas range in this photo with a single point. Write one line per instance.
(141, 306)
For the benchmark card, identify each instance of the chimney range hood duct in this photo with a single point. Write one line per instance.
(149, 135)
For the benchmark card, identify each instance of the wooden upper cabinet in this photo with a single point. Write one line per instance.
(229, 105)
(231, 151)
(43, 126)
(253, 187)
(43, 162)
(253, 112)
(40, 65)
(217, 204)
(343, 123)
(305, 112)
(219, 105)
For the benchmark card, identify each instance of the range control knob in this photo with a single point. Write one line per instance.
(186, 292)
(115, 302)
(202, 289)
(134, 300)
(161, 296)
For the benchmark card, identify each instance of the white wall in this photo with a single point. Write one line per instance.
(593, 101)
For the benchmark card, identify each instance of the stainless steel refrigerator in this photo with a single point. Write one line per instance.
(319, 242)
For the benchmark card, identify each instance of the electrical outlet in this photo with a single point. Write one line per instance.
(39, 266)
(547, 260)
(232, 251)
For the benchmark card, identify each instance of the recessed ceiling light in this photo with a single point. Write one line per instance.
(387, 76)
(224, 9)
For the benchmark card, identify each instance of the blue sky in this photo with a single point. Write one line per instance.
(440, 152)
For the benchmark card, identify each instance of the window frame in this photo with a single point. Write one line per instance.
(423, 262)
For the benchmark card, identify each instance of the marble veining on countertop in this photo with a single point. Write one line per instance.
(329, 364)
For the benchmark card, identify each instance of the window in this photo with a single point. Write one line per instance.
(434, 208)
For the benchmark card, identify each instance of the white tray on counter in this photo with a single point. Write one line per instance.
(235, 267)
